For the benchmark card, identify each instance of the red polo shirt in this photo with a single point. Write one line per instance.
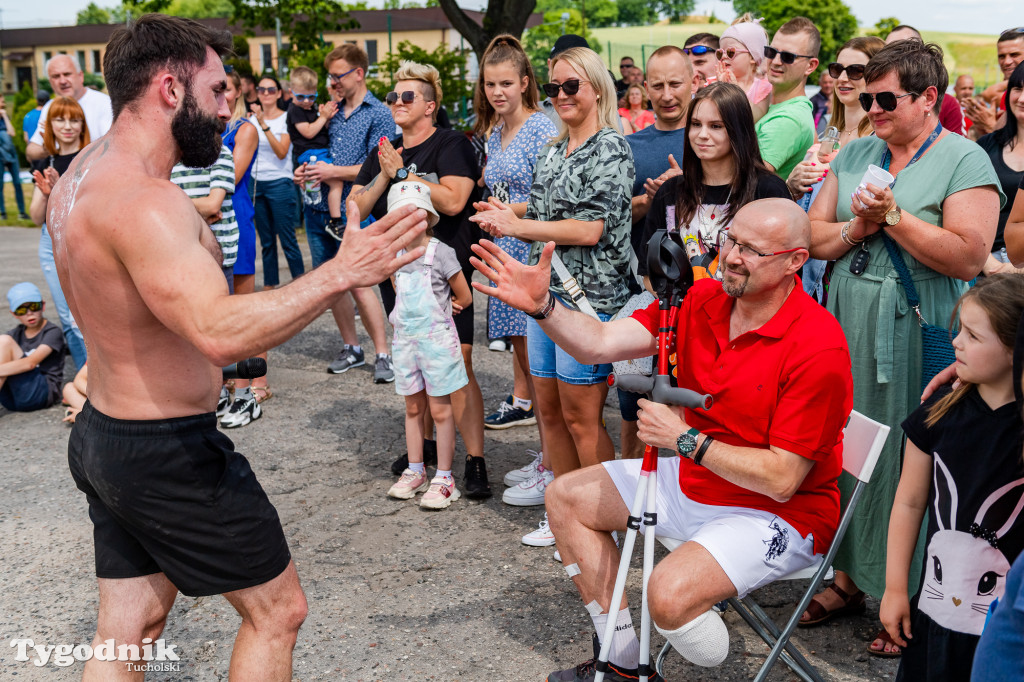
(786, 384)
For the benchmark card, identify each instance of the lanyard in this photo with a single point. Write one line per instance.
(887, 155)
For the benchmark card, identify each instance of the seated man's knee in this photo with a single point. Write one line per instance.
(670, 597)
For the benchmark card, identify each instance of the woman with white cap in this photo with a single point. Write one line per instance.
(740, 53)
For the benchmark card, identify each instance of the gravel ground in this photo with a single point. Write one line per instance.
(394, 592)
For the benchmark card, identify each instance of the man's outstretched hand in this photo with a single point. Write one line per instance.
(370, 255)
(524, 287)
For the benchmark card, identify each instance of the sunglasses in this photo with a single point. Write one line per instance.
(784, 57)
(267, 91)
(408, 97)
(730, 53)
(698, 49)
(853, 71)
(335, 78)
(569, 87)
(1010, 33)
(26, 308)
(888, 101)
(299, 97)
(228, 68)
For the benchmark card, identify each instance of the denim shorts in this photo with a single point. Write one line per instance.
(548, 361)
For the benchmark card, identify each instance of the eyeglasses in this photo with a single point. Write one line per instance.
(698, 49)
(853, 71)
(267, 91)
(569, 87)
(335, 78)
(299, 97)
(888, 101)
(61, 121)
(784, 57)
(730, 53)
(747, 252)
(408, 97)
(26, 308)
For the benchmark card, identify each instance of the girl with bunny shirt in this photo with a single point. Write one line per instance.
(962, 464)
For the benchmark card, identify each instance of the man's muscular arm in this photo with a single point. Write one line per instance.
(185, 289)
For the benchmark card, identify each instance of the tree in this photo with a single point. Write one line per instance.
(675, 10)
(539, 40)
(884, 27)
(199, 9)
(599, 12)
(501, 16)
(93, 14)
(451, 64)
(303, 21)
(635, 12)
(833, 18)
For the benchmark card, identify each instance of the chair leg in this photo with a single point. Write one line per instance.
(659, 663)
(765, 627)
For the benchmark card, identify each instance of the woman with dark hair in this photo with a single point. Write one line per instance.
(722, 171)
(1005, 147)
(939, 217)
(276, 205)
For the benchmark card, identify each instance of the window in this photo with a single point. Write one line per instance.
(97, 63)
(47, 55)
(267, 57)
(80, 54)
(371, 51)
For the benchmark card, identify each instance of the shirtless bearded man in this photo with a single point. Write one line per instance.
(173, 506)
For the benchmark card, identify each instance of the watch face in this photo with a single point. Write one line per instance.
(893, 217)
(686, 444)
(401, 174)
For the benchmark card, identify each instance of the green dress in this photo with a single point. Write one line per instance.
(883, 332)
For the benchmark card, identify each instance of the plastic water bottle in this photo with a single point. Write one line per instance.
(311, 193)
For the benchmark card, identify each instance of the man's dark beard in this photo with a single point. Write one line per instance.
(197, 135)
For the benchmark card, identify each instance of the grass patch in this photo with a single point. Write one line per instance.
(12, 207)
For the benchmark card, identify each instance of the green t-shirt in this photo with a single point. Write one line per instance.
(785, 134)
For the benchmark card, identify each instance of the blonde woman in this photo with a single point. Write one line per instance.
(580, 199)
(444, 160)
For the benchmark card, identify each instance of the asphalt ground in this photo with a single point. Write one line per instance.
(395, 592)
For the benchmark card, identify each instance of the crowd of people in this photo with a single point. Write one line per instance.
(825, 235)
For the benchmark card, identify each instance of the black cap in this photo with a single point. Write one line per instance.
(565, 42)
(42, 97)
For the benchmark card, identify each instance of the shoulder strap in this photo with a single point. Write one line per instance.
(428, 257)
(572, 287)
(901, 268)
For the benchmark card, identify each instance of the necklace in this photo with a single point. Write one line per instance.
(707, 226)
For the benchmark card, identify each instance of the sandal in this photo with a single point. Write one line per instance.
(266, 393)
(852, 604)
(886, 640)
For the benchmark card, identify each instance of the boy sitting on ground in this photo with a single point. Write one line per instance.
(31, 354)
(307, 127)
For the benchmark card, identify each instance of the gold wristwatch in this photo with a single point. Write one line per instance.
(893, 216)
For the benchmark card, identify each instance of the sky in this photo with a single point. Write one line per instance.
(963, 16)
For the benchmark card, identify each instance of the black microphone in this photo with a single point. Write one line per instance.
(250, 368)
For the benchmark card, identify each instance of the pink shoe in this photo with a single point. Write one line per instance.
(408, 485)
(441, 494)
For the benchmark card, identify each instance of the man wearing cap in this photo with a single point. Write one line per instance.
(561, 45)
(31, 354)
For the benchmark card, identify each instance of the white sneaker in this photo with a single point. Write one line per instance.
(497, 345)
(527, 472)
(558, 557)
(529, 493)
(243, 411)
(541, 537)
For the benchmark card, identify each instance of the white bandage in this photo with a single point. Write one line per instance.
(594, 609)
(572, 570)
(704, 641)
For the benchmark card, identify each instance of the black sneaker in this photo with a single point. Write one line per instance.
(429, 458)
(508, 416)
(336, 228)
(587, 671)
(475, 481)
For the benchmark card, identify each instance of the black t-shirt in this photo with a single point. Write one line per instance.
(444, 153)
(1009, 180)
(300, 143)
(717, 198)
(61, 162)
(52, 367)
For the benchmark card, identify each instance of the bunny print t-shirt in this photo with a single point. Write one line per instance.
(975, 531)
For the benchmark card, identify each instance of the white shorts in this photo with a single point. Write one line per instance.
(753, 547)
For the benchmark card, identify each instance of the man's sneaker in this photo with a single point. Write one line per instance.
(441, 494)
(542, 537)
(408, 485)
(347, 359)
(525, 473)
(429, 458)
(243, 411)
(498, 345)
(336, 228)
(508, 416)
(529, 493)
(224, 402)
(383, 370)
(587, 671)
(475, 480)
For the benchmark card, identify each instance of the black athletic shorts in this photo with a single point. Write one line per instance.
(173, 496)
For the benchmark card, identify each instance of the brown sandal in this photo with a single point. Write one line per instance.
(267, 395)
(886, 639)
(852, 604)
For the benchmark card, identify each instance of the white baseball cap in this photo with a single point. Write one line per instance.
(415, 193)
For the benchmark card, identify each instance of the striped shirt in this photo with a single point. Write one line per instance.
(199, 182)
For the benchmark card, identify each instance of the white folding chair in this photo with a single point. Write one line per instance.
(863, 439)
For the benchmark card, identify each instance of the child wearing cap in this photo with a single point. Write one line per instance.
(428, 360)
(31, 354)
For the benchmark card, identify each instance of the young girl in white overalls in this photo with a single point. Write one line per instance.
(427, 357)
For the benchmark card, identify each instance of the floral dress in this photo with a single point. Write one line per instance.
(509, 175)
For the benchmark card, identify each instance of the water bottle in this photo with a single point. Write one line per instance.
(311, 193)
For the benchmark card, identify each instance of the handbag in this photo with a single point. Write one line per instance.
(936, 342)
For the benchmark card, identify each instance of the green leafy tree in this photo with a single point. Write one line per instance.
(884, 27)
(599, 12)
(303, 21)
(675, 10)
(833, 18)
(636, 12)
(200, 9)
(501, 16)
(451, 64)
(24, 102)
(93, 14)
(539, 40)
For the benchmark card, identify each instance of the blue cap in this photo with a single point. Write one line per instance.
(22, 293)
